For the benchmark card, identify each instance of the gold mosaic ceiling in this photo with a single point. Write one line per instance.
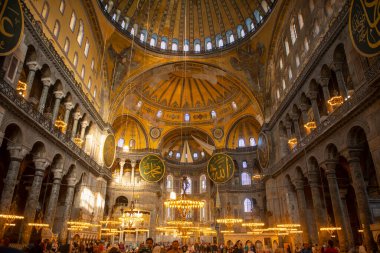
(187, 21)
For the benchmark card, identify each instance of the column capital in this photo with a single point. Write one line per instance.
(122, 163)
(57, 174)
(17, 153)
(41, 164)
(337, 66)
(58, 94)
(313, 95)
(304, 107)
(46, 81)
(299, 184)
(313, 178)
(353, 154)
(85, 124)
(77, 115)
(69, 105)
(133, 163)
(294, 116)
(288, 124)
(324, 80)
(32, 65)
(330, 166)
(71, 181)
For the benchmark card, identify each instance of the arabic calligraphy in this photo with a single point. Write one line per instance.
(220, 168)
(364, 26)
(152, 168)
(11, 26)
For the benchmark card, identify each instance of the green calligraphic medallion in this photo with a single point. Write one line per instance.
(152, 168)
(220, 168)
(11, 25)
(364, 26)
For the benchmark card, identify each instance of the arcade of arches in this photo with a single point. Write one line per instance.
(276, 85)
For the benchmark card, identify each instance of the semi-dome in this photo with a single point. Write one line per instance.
(195, 27)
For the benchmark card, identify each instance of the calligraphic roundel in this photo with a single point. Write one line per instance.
(220, 168)
(109, 151)
(364, 26)
(152, 168)
(11, 26)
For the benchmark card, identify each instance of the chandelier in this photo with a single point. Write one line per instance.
(292, 141)
(60, 124)
(310, 125)
(39, 224)
(335, 100)
(21, 88)
(331, 230)
(131, 217)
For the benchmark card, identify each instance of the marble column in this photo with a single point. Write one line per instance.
(344, 243)
(296, 125)
(319, 208)
(46, 81)
(84, 125)
(68, 106)
(343, 193)
(122, 163)
(77, 116)
(67, 211)
(32, 66)
(53, 199)
(313, 98)
(133, 165)
(288, 126)
(326, 92)
(359, 185)
(302, 209)
(305, 118)
(58, 97)
(117, 15)
(40, 165)
(338, 68)
(17, 153)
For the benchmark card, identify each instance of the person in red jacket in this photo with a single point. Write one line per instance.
(330, 248)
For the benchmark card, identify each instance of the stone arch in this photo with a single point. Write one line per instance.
(313, 164)
(325, 71)
(357, 136)
(39, 150)
(31, 54)
(331, 152)
(13, 135)
(121, 201)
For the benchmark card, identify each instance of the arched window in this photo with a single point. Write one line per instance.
(114, 17)
(86, 48)
(170, 154)
(187, 117)
(208, 44)
(45, 11)
(290, 74)
(73, 20)
(164, 43)
(197, 46)
(230, 37)
(143, 35)
(195, 155)
(82, 72)
(265, 6)
(56, 29)
(186, 46)
(283, 84)
(300, 20)
(297, 61)
(245, 178)
(203, 184)
(286, 47)
(66, 47)
(233, 105)
(258, 16)
(132, 143)
(169, 182)
(281, 64)
(159, 114)
(89, 83)
(92, 64)
(80, 33)
(94, 92)
(174, 46)
(123, 24)
(219, 40)
(62, 6)
(120, 143)
(244, 164)
(75, 61)
(306, 44)
(213, 114)
(203, 154)
(252, 142)
(293, 31)
(248, 205)
(177, 156)
(241, 143)
(249, 24)
(189, 183)
(278, 94)
(202, 211)
(133, 31)
(316, 29)
(240, 32)
(152, 42)
(311, 5)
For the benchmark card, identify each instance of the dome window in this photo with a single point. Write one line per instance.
(244, 164)
(213, 114)
(177, 156)
(245, 179)
(170, 154)
(159, 114)
(241, 143)
(252, 142)
(187, 117)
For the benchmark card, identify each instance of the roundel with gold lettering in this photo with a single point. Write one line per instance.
(11, 26)
(220, 168)
(152, 168)
(364, 26)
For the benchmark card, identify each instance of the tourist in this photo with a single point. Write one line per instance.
(330, 248)
(174, 247)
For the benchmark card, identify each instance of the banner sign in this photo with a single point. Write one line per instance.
(364, 26)
(11, 26)
(220, 168)
(152, 168)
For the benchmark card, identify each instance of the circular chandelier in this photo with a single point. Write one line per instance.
(229, 221)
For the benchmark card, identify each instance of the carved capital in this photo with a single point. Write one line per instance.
(337, 66)
(294, 116)
(324, 80)
(32, 65)
(304, 107)
(77, 115)
(330, 167)
(71, 181)
(58, 94)
(85, 124)
(313, 95)
(122, 164)
(46, 81)
(41, 164)
(17, 153)
(69, 105)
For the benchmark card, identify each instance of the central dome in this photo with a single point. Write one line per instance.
(194, 26)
